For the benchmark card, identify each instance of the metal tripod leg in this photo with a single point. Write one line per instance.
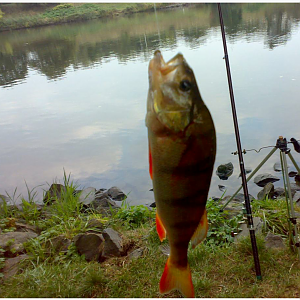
(250, 176)
(294, 162)
(291, 210)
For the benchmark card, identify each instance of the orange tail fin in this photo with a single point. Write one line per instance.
(176, 278)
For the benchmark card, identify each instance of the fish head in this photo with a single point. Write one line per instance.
(173, 91)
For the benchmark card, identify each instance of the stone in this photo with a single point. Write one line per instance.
(113, 243)
(104, 205)
(6, 199)
(239, 197)
(221, 187)
(267, 191)
(215, 198)
(294, 188)
(153, 204)
(12, 242)
(262, 179)
(274, 241)
(278, 192)
(116, 194)
(244, 230)
(277, 167)
(297, 179)
(247, 171)
(23, 227)
(55, 191)
(165, 249)
(95, 223)
(59, 243)
(87, 196)
(136, 253)
(225, 171)
(296, 197)
(11, 266)
(292, 174)
(90, 245)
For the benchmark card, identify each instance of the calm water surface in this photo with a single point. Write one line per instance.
(73, 96)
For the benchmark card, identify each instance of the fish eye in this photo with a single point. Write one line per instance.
(185, 85)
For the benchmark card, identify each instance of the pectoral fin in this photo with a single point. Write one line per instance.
(160, 228)
(201, 231)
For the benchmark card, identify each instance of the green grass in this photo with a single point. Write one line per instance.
(220, 268)
(68, 12)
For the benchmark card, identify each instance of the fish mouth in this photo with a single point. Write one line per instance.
(158, 64)
(162, 73)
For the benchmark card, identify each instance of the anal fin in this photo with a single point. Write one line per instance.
(176, 278)
(160, 228)
(201, 231)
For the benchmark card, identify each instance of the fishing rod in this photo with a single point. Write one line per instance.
(240, 154)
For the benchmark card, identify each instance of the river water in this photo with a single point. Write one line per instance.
(73, 96)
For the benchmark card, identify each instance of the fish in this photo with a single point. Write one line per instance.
(182, 149)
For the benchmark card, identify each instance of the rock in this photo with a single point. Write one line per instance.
(215, 198)
(136, 253)
(59, 244)
(292, 174)
(11, 266)
(90, 245)
(54, 193)
(95, 223)
(296, 197)
(165, 249)
(297, 179)
(277, 167)
(23, 227)
(116, 194)
(232, 211)
(113, 243)
(268, 190)
(274, 241)
(239, 197)
(6, 199)
(221, 187)
(151, 206)
(103, 204)
(278, 192)
(12, 242)
(225, 171)
(262, 179)
(87, 196)
(258, 225)
(294, 188)
(247, 171)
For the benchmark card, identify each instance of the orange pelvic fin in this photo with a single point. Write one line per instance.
(160, 228)
(150, 163)
(176, 278)
(201, 231)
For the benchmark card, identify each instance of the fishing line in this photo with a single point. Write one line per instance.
(293, 141)
(157, 25)
(240, 154)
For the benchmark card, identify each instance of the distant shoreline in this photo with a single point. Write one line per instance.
(21, 16)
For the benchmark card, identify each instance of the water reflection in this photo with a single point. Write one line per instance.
(53, 50)
(81, 104)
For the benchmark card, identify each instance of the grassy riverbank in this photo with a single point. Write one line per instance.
(220, 267)
(18, 16)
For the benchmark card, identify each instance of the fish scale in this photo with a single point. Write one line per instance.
(182, 148)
